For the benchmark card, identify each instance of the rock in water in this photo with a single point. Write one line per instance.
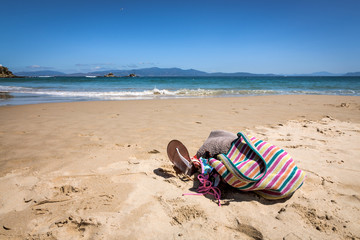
(5, 95)
(109, 75)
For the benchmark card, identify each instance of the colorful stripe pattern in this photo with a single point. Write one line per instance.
(274, 175)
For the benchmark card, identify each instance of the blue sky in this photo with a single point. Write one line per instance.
(258, 36)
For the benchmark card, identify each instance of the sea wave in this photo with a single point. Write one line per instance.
(165, 93)
(150, 93)
(14, 89)
(348, 92)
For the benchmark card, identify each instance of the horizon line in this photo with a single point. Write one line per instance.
(181, 69)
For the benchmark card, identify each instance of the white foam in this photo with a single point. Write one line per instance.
(90, 94)
(161, 93)
(14, 89)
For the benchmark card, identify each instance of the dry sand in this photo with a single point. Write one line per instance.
(99, 170)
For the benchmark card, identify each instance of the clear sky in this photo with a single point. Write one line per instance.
(258, 36)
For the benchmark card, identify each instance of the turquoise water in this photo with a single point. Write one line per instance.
(69, 89)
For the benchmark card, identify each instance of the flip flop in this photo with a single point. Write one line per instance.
(179, 156)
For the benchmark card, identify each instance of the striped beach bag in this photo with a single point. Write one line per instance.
(255, 165)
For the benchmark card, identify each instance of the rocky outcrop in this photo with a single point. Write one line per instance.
(5, 95)
(112, 75)
(109, 75)
(6, 73)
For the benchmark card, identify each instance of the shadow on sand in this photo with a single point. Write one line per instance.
(228, 193)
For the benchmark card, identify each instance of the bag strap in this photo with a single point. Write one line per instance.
(231, 166)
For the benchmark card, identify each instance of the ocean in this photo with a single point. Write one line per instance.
(69, 89)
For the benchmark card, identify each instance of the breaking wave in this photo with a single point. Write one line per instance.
(162, 93)
(153, 93)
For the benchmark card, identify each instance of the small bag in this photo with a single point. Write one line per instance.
(255, 165)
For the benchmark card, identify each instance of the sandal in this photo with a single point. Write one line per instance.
(179, 156)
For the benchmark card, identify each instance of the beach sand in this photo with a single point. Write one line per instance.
(99, 170)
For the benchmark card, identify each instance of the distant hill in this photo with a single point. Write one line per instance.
(316, 74)
(170, 72)
(240, 74)
(153, 72)
(77, 74)
(325, 74)
(143, 72)
(353, 74)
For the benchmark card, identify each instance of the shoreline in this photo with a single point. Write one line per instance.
(287, 96)
(7, 96)
(37, 90)
(338, 101)
(87, 169)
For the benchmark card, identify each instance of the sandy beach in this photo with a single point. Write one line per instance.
(99, 170)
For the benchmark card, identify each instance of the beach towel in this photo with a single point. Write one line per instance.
(255, 165)
(219, 141)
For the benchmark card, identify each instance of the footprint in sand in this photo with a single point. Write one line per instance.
(68, 190)
(185, 214)
(323, 222)
(181, 212)
(41, 211)
(344, 105)
(248, 230)
(84, 227)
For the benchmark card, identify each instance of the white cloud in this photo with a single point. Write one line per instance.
(34, 66)
(38, 67)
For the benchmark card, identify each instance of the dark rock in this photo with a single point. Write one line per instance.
(6, 73)
(109, 75)
(5, 95)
